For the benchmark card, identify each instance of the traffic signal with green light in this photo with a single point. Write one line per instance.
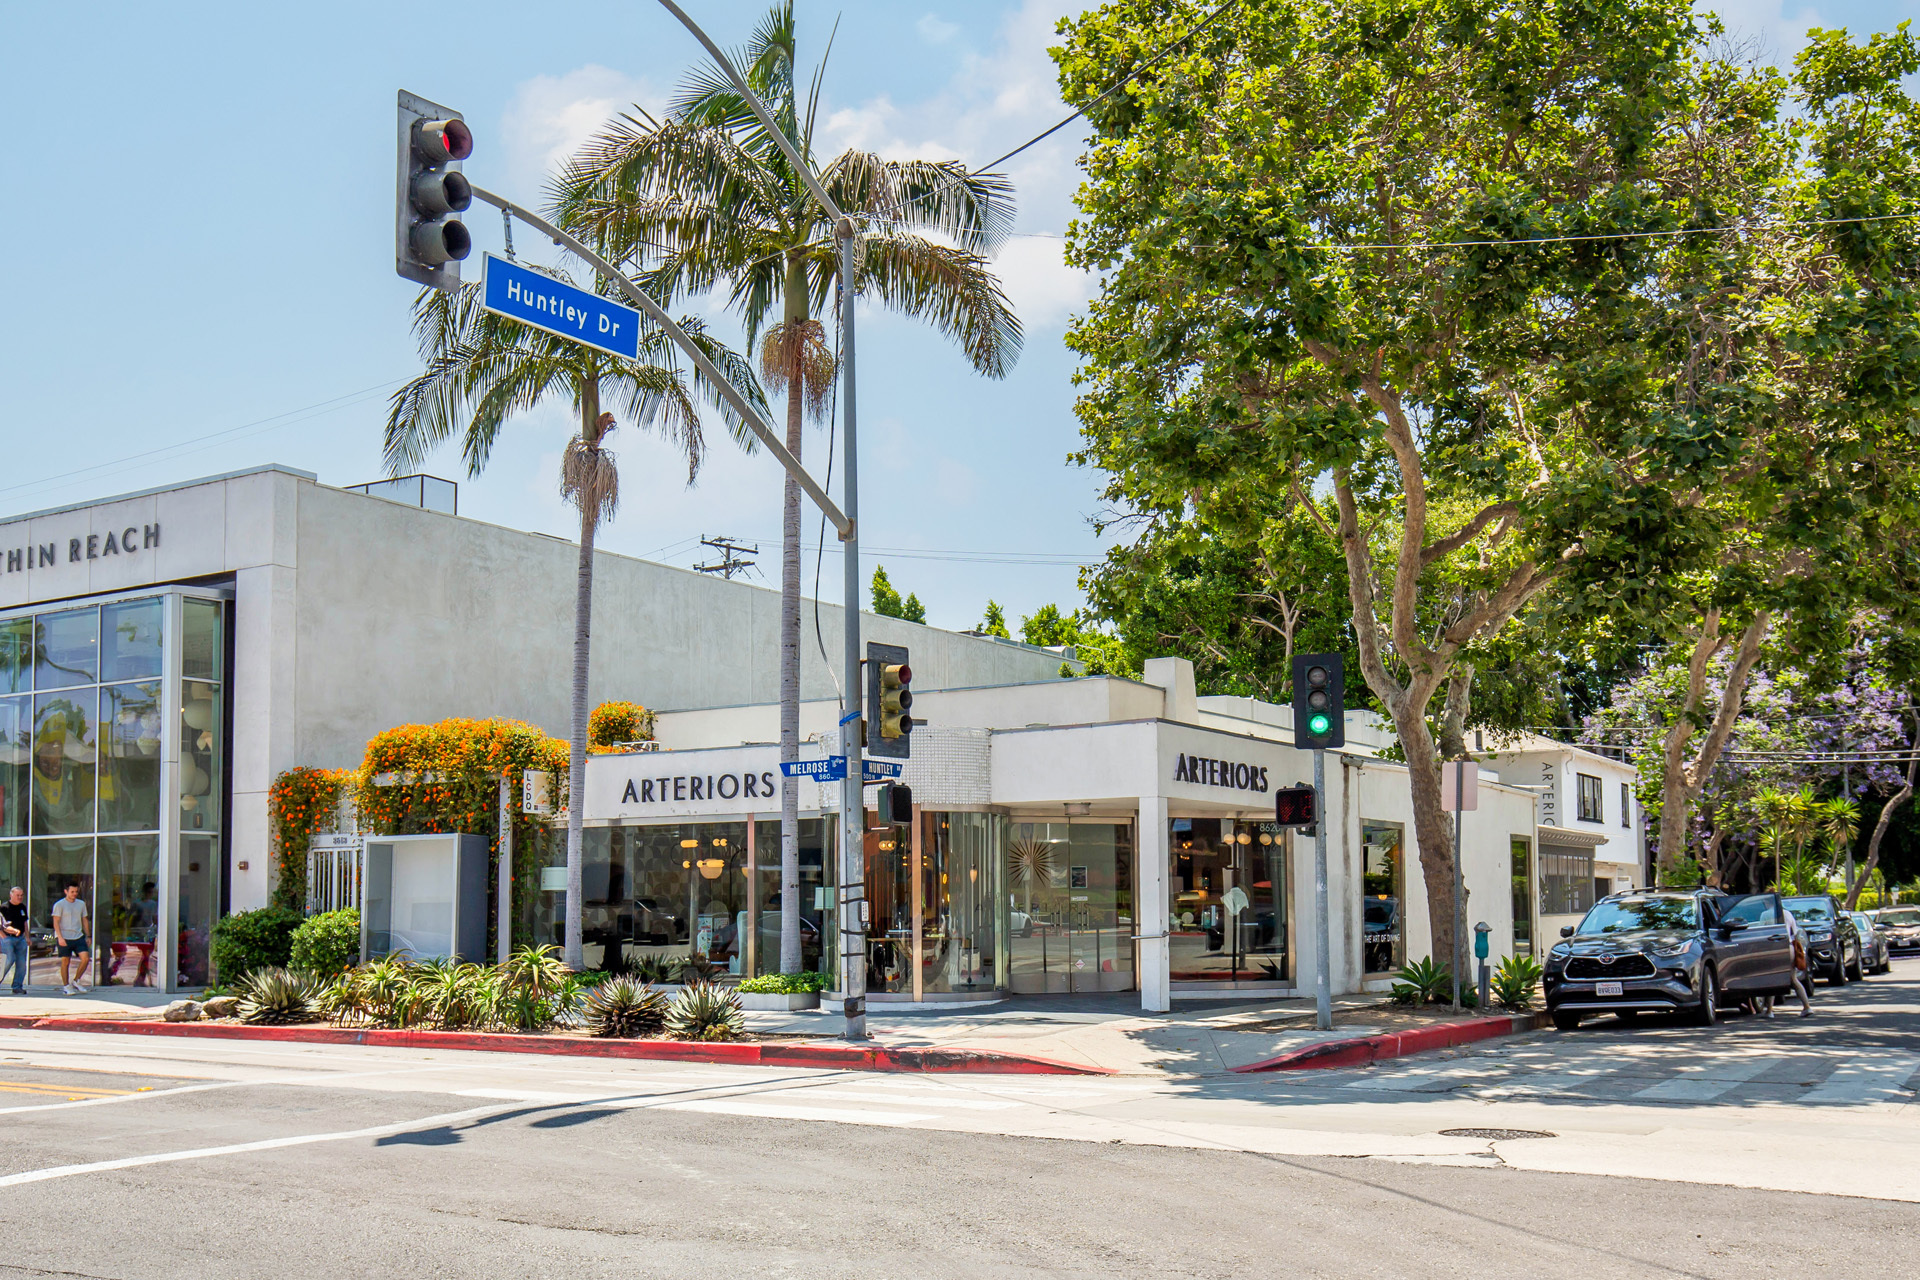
(429, 238)
(1319, 702)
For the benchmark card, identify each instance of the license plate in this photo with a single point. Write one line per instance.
(1607, 989)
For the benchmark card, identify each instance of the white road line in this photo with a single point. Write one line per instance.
(772, 1111)
(1875, 1080)
(1706, 1081)
(268, 1144)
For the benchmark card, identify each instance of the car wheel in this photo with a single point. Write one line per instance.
(1837, 976)
(1709, 1011)
(1858, 969)
(1565, 1021)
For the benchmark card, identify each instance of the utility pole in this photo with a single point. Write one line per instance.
(1322, 961)
(735, 557)
(853, 805)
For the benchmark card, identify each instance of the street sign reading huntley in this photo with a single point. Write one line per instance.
(536, 299)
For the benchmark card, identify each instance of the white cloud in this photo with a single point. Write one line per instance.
(550, 116)
(1775, 36)
(1043, 288)
(934, 30)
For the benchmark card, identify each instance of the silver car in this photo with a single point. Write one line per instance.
(1875, 955)
(1900, 926)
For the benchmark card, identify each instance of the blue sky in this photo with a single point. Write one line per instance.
(238, 306)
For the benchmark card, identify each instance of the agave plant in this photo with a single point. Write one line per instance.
(654, 968)
(538, 970)
(275, 996)
(1514, 981)
(706, 1012)
(625, 1007)
(386, 993)
(455, 996)
(692, 968)
(1425, 981)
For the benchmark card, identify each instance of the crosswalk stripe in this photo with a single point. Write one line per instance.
(774, 1111)
(1703, 1083)
(908, 1099)
(1875, 1080)
(1430, 1079)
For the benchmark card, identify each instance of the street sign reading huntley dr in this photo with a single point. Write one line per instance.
(539, 300)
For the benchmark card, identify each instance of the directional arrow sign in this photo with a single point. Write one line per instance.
(536, 299)
(832, 769)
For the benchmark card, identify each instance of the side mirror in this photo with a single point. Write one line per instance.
(1730, 925)
(1566, 931)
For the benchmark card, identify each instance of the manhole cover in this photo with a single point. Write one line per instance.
(1500, 1135)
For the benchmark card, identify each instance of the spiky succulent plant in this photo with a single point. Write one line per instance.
(272, 997)
(704, 1011)
(625, 1008)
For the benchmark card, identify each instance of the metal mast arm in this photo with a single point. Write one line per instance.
(638, 296)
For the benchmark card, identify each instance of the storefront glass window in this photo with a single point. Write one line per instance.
(200, 756)
(16, 655)
(130, 639)
(63, 760)
(16, 764)
(814, 841)
(959, 896)
(889, 853)
(1383, 897)
(130, 763)
(197, 885)
(66, 648)
(201, 646)
(53, 865)
(127, 917)
(1522, 859)
(1227, 887)
(1070, 906)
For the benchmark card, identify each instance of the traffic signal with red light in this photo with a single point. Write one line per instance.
(889, 701)
(429, 239)
(1294, 807)
(1319, 702)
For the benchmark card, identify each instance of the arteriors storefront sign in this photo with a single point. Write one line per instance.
(1208, 771)
(689, 784)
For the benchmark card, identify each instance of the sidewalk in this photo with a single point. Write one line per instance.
(1105, 1034)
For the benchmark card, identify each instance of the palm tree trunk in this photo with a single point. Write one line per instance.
(577, 743)
(795, 312)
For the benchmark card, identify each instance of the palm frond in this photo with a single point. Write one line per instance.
(951, 289)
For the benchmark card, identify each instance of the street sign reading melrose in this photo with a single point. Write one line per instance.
(536, 299)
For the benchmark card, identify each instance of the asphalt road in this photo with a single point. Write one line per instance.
(132, 1157)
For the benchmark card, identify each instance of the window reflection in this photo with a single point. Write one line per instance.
(16, 763)
(16, 655)
(128, 915)
(63, 760)
(1382, 928)
(130, 634)
(66, 648)
(1228, 913)
(201, 646)
(130, 769)
(200, 764)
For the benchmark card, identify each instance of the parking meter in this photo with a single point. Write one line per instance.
(1480, 934)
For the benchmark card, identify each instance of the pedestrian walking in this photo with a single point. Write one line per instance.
(73, 938)
(13, 936)
(1800, 980)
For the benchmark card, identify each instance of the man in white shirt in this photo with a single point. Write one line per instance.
(73, 938)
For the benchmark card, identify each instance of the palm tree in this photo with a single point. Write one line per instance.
(482, 369)
(708, 198)
(1838, 821)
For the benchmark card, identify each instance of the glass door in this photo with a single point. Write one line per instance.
(1070, 900)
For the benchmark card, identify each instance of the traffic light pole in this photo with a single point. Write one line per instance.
(1323, 959)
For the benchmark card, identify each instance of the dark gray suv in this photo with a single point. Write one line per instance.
(1667, 951)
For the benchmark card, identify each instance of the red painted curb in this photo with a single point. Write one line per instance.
(1361, 1050)
(768, 1054)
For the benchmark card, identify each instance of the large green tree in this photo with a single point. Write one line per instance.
(705, 200)
(483, 370)
(1481, 273)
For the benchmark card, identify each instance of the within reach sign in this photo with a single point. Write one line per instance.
(536, 299)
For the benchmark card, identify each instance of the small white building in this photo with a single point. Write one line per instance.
(1097, 834)
(1591, 836)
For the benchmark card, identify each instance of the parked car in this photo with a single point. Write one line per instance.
(1875, 955)
(1900, 926)
(1833, 944)
(1669, 951)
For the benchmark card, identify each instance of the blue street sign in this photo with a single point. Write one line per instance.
(511, 290)
(877, 769)
(832, 769)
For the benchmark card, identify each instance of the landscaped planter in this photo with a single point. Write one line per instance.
(777, 1003)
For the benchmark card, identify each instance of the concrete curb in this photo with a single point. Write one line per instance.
(1361, 1050)
(767, 1054)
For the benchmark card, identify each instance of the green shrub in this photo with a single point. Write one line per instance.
(625, 1008)
(1514, 981)
(327, 945)
(1423, 982)
(274, 996)
(706, 1012)
(788, 984)
(250, 940)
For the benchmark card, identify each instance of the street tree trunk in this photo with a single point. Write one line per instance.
(1894, 801)
(795, 312)
(590, 431)
(1682, 779)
